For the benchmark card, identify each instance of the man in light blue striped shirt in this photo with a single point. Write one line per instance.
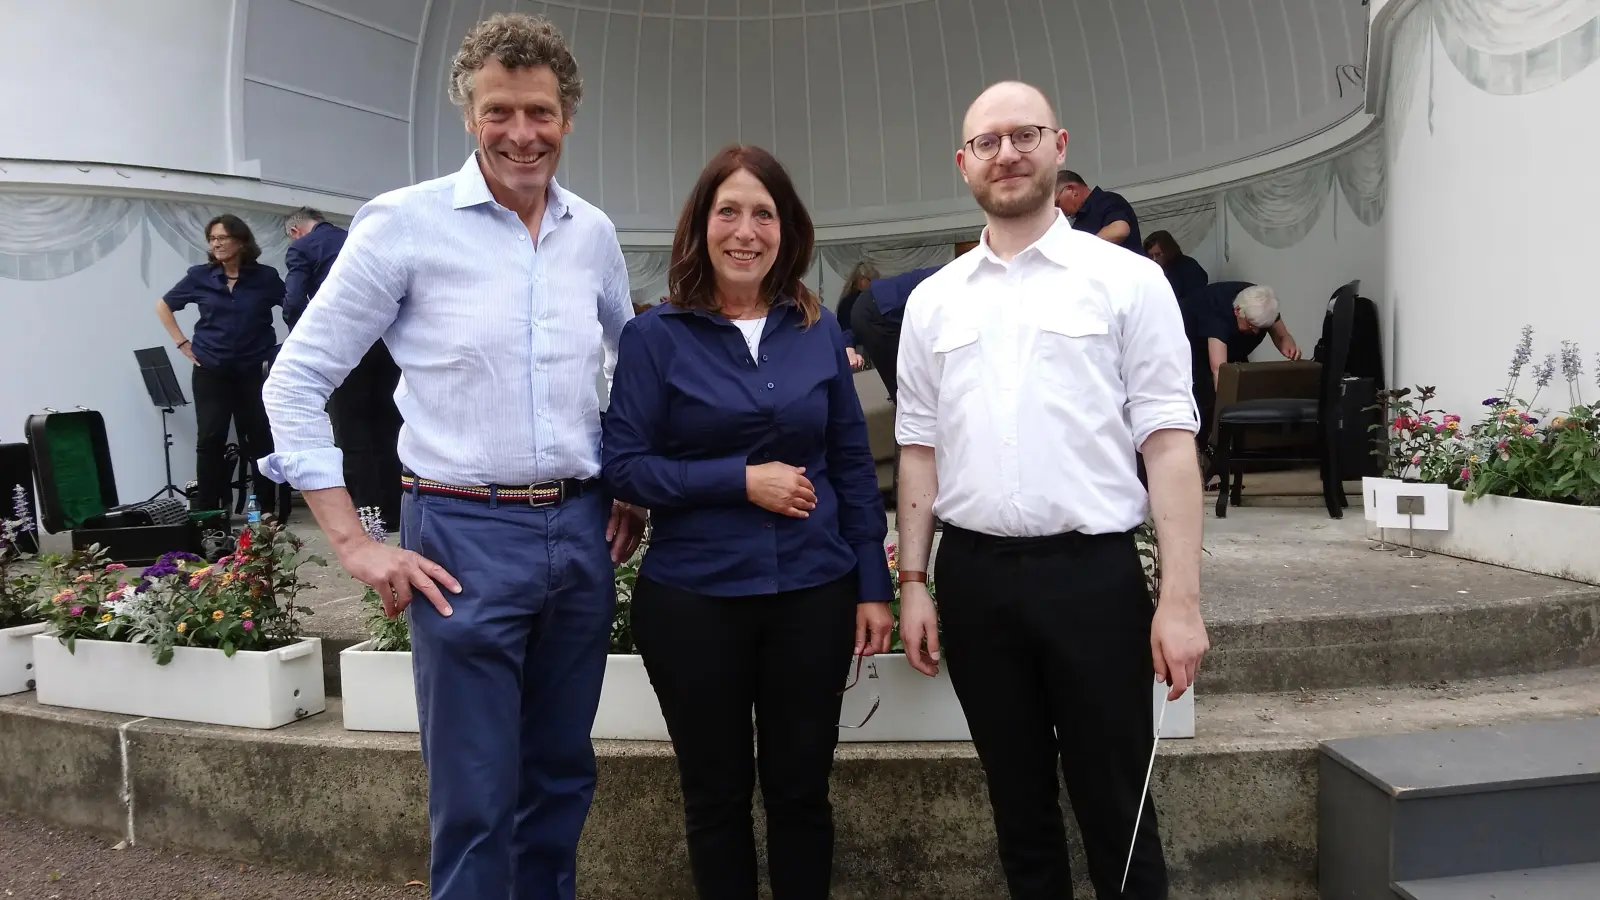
(501, 296)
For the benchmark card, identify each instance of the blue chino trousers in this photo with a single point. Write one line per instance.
(507, 688)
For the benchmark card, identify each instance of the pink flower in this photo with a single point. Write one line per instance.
(114, 596)
(247, 625)
(1466, 474)
(1452, 418)
(115, 567)
(75, 611)
(85, 578)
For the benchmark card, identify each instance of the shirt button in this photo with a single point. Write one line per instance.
(769, 385)
(522, 237)
(766, 524)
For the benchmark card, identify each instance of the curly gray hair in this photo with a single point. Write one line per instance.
(518, 41)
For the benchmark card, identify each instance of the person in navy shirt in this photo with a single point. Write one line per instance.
(1105, 214)
(1183, 271)
(366, 421)
(877, 315)
(233, 340)
(734, 419)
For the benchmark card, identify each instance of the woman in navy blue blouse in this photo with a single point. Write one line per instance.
(233, 340)
(734, 419)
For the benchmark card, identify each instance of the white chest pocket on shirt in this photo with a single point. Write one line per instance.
(1071, 347)
(960, 359)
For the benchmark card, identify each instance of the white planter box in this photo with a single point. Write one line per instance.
(379, 696)
(16, 658)
(1531, 535)
(379, 693)
(253, 689)
(913, 706)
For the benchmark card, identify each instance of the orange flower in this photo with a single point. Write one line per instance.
(216, 616)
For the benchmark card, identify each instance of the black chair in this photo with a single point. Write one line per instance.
(1321, 413)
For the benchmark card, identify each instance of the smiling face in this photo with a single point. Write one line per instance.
(742, 233)
(1014, 181)
(223, 245)
(516, 116)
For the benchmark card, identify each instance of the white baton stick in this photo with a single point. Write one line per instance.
(1143, 793)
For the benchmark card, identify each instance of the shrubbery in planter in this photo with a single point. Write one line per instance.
(244, 601)
(17, 580)
(1516, 450)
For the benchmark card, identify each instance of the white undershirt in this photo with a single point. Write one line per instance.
(752, 333)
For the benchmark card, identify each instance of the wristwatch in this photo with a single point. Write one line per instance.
(912, 575)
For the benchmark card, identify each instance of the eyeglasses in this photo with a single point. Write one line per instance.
(872, 675)
(1024, 139)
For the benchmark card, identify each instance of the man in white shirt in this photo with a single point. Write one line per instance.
(499, 294)
(1033, 370)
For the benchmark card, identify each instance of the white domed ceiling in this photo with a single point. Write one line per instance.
(861, 99)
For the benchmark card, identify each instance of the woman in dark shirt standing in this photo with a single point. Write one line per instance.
(233, 340)
(734, 419)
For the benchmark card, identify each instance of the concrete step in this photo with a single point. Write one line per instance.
(1435, 805)
(1579, 882)
(1237, 804)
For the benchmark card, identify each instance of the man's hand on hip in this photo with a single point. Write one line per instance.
(394, 573)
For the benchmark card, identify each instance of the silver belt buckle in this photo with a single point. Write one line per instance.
(539, 502)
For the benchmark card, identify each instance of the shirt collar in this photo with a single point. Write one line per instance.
(471, 190)
(1052, 245)
(668, 308)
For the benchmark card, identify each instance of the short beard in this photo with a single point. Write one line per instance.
(1039, 195)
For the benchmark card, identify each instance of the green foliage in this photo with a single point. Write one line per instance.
(245, 601)
(18, 576)
(1515, 450)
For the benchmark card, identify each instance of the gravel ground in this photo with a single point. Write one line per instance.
(38, 863)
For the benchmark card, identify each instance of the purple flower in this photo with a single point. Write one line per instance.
(1523, 354)
(372, 523)
(1571, 364)
(1491, 401)
(1543, 372)
(75, 611)
(248, 625)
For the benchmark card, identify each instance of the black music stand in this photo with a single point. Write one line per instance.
(162, 383)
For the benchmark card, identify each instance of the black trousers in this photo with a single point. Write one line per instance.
(1047, 641)
(366, 426)
(224, 395)
(879, 336)
(711, 661)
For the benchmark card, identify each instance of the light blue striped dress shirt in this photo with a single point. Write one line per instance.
(501, 340)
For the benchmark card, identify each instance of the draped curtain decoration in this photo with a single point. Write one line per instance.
(1363, 178)
(45, 236)
(1188, 221)
(898, 255)
(1518, 46)
(647, 274)
(183, 227)
(1279, 210)
(1409, 49)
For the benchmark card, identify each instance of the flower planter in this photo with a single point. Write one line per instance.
(1555, 539)
(913, 706)
(378, 690)
(253, 689)
(16, 658)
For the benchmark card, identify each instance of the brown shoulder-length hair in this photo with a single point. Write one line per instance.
(690, 278)
(1167, 243)
(249, 250)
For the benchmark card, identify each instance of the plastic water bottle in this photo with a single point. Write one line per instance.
(252, 510)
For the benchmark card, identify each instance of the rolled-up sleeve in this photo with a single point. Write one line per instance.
(917, 376)
(631, 461)
(1156, 362)
(355, 306)
(863, 523)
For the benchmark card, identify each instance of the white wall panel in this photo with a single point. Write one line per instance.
(141, 84)
(313, 143)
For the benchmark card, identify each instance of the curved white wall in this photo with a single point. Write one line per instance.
(862, 99)
(143, 83)
(1492, 227)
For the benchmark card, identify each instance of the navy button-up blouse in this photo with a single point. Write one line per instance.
(690, 409)
(235, 327)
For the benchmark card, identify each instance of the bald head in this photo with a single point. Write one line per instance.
(1006, 105)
